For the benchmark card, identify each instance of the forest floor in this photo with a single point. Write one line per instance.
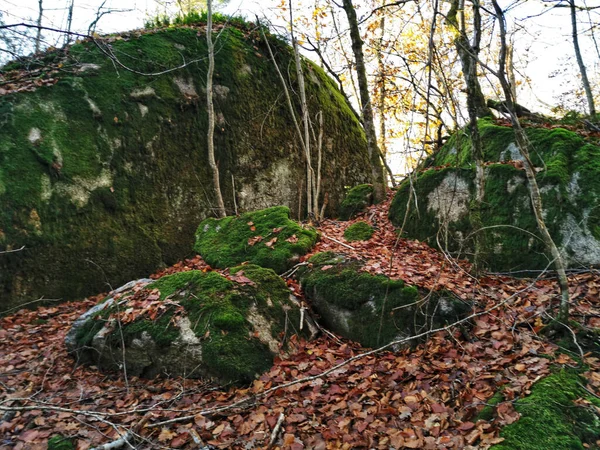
(424, 397)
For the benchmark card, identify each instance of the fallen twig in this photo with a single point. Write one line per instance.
(338, 242)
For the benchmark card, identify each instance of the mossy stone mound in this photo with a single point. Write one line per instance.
(356, 201)
(58, 442)
(353, 303)
(359, 231)
(266, 237)
(551, 417)
(568, 168)
(104, 175)
(191, 324)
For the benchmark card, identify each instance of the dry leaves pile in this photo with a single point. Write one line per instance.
(426, 397)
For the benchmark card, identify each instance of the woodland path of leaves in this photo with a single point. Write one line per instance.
(424, 398)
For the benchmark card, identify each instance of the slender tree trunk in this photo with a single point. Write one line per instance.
(377, 175)
(467, 52)
(534, 191)
(69, 23)
(582, 69)
(38, 37)
(211, 113)
(476, 108)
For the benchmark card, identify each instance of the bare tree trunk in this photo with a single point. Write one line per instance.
(534, 191)
(377, 175)
(211, 112)
(582, 69)
(38, 37)
(69, 23)
(467, 52)
(476, 107)
(510, 69)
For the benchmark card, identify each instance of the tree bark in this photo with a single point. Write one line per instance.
(377, 175)
(534, 191)
(467, 52)
(582, 69)
(211, 113)
(38, 37)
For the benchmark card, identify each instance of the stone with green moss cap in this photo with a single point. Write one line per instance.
(356, 201)
(354, 303)
(191, 324)
(266, 237)
(568, 168)
(104, 175)
(359, 231)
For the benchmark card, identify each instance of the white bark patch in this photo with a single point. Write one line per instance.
(263, 329)
(450, 200)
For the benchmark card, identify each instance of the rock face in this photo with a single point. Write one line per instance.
(191, 324)
(104, 175)
(353, 303)
(568, 169)
(267, 238)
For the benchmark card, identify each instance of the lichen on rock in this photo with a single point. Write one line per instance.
(567, 174)
(192, 324)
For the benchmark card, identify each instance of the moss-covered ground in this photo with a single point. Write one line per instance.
(559, 414)
(359, 231)
(104, 175)
(58, 442)
(567, 176)
(357, 199)
(218, 309)
(266, 237)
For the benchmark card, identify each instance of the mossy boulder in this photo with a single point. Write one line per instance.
(371, 309)
(559, 414)
(356, 201)
(359, 231)
(104, 174)
(191, 324)
(266, 237)
(568, 168)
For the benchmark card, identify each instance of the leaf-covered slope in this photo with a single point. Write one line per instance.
(104, 174)
(568, 168)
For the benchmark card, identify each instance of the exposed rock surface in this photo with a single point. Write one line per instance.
(369, 309)
(104, 175)
(568, 168)
(191, 324)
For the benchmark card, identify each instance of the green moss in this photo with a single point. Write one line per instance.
(218, 310)
(58, 442)
(489, 410)
(356, 201)
(550, 418)
(359, 231)
(118, 175)
(351, 301)
(267, 238)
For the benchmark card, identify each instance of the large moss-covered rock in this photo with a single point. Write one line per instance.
(267, 238)
(568, 168)
(191, 324)
(104, 174)
(558, 414)
(371, 309)
(356, 201)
